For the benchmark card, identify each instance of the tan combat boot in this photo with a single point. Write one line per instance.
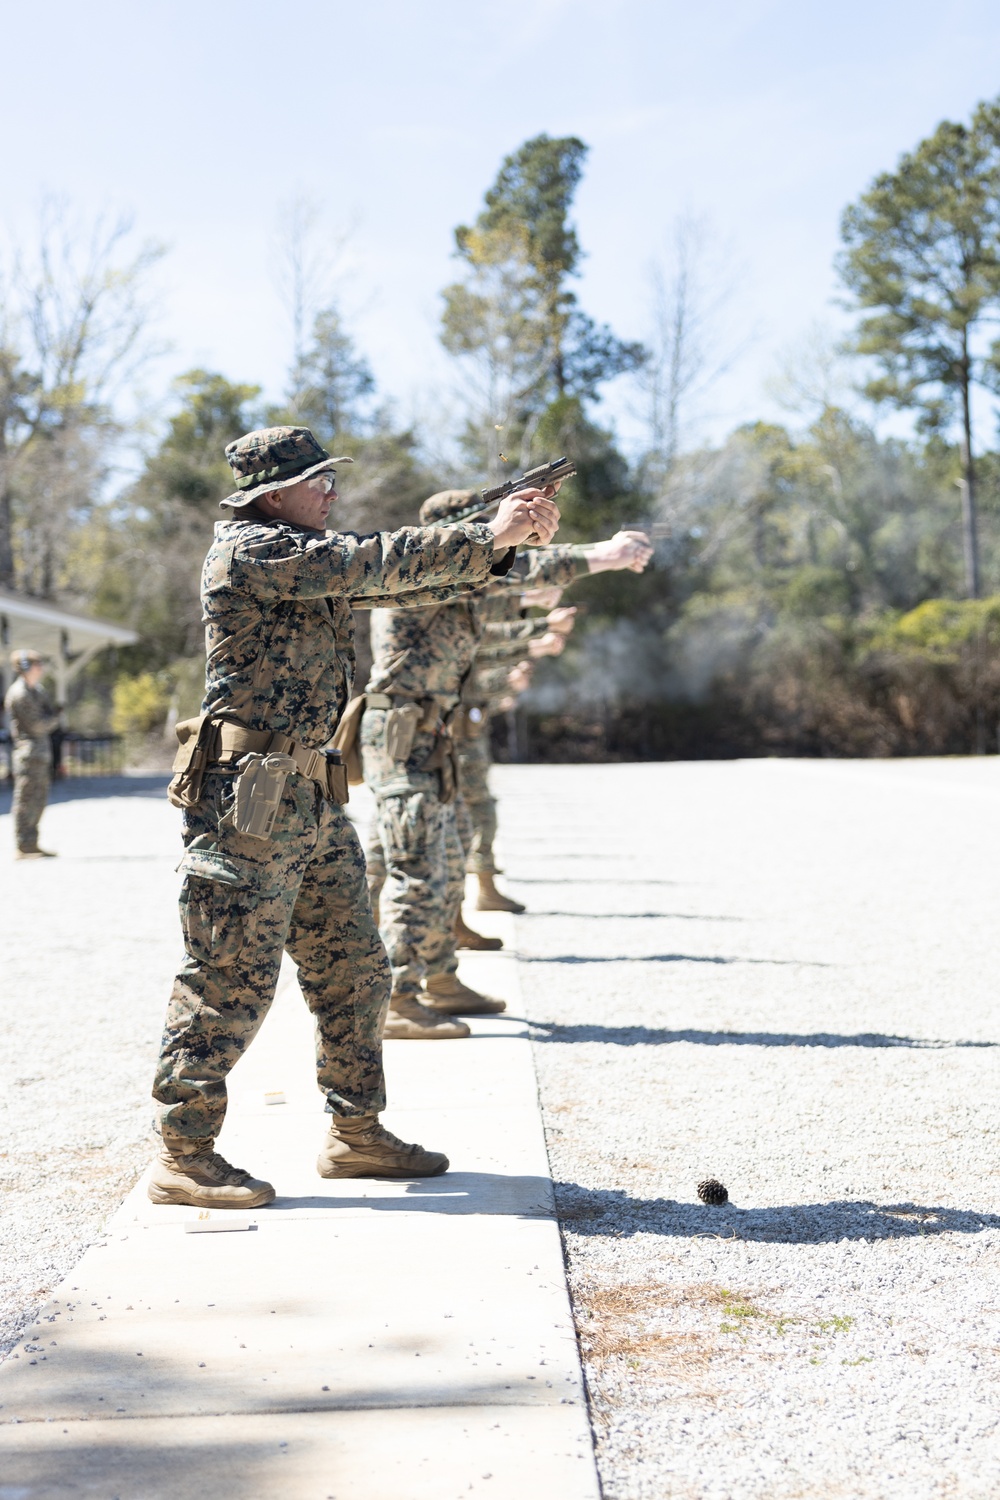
(189, 1171)
(447, 993)
(364, 1148)
(467, 937)
(34, 854)
(409, 1021)
(490, 899)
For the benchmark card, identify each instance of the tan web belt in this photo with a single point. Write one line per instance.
(434, 721)
(233, 742)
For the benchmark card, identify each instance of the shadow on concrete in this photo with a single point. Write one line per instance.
(158, 1462)
(653, 1036)
(78, 788)
(609, 1211)
(584, 880)
(632, 916)
(664, 958)
(116, 859)
(453, 1193)
(164, 1386)
(106, 1425)
(554, 853)
(279, 1454)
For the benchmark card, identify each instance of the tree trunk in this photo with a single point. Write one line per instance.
(970, 529)
(7, 579)
(559, 372)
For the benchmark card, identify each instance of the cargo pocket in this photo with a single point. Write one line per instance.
(218, 904)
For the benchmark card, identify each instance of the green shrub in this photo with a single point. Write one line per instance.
(940, 628)
(139, 704)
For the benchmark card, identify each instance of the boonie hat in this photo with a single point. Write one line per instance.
(446, 505)
(273, 458)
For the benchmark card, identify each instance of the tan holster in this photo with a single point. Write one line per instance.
(406, 718)
(348, 739)
(443, 760)
(206, 741)
(196, 742)
(468, 722)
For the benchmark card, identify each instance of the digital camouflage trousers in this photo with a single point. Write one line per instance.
(244, 901)
(32, 776)
(455, 857)
(474, 761)
(415, 859)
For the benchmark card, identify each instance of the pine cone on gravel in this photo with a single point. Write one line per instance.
(712, 1191)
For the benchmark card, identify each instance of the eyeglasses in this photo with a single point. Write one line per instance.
(325, 482)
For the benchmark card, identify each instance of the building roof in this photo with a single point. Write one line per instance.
(40, 626)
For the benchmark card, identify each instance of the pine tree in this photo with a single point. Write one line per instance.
(515, 316)
(922, 260)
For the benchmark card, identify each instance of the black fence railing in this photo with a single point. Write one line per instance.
(74, 754)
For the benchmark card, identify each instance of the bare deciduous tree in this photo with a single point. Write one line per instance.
(687, 350)
(493, 323)
(306, 265)
(813, 375)
(75, 312)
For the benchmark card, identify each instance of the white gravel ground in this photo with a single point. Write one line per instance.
(778, 973)
(782, 974)
(91, 941)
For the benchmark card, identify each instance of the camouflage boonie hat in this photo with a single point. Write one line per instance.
(273, 458)
(446, 505)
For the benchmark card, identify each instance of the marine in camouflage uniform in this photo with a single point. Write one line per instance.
(486, 685)
(507, 635)
(32, 719)
(441, 958)
(419, 657)
(421, 660)
(277, 596)
(428, 654)
(556, 567)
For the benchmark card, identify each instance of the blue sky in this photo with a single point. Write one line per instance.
(203, 118)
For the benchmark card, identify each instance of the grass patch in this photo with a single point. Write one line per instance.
(839, 1323)
(610, 1326)
(613, 1326)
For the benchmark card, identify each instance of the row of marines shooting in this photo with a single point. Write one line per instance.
(272, 862)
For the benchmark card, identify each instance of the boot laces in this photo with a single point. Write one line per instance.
(410, 1008)
(383, 1137)
(217, 1166)
(375, 1135)
(405, 1003)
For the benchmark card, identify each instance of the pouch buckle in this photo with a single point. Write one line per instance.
(311, 763)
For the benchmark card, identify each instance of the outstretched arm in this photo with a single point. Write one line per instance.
(559, 566)
(630, 550)
(275, 564)
(530, 513)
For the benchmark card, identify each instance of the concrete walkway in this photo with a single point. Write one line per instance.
(391, 1341)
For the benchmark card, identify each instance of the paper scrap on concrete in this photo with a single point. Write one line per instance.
(205, 1224)
(275, 1096)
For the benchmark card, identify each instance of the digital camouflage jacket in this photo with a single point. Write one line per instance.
(31, 714)
(428, 653)
(279, 632)
(556, 566)
(505, 643)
